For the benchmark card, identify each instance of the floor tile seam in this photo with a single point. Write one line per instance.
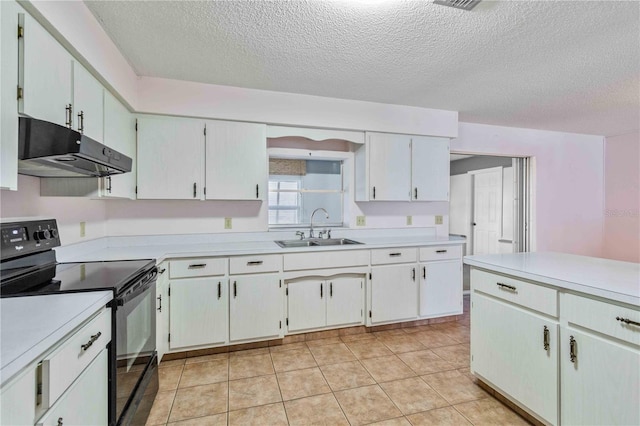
(252, 377)
(197, 417)
(308, 396)
(391, 399)
(203, 384)
(175, 395)
(461, 413)
(284, 407)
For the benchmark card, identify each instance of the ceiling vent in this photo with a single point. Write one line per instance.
(458, 4)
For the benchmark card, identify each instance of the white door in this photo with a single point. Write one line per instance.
(487, 210)
(601, 386)
(440, 288)
(306, 304)
(393, 293)
(198, 309)
(389, 167)
(88, 103)
(45, 74)
(345, 301)
(255, 304)
(170, 158)
(429, 168)
(236, 161)
(508, 350)
(119, 134)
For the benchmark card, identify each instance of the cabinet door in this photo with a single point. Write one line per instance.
(255, 304)
(119, 134)
(602, 386)
(306, 304)
(8, 109)
(389, 167)
(430, 168)
(508, 351)
(440, 288)
(88, 103)
(18, 398)
(162, 311)
(393, 293)
(198, 312)
(170, 158)
(345, 301)
(44, 73)
(86, 400)
(236, 161)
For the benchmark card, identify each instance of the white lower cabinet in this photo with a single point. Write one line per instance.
(394, 293)
(198, 310)
(516, 351)
(86, 401)
(18, 399)
(324, 302)
(162, 310)
(440, 288)
(255, 307)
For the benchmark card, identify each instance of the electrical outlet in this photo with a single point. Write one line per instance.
(227, 223)
(361, 220)
(438, 220)
(409, 220)
(83, 229)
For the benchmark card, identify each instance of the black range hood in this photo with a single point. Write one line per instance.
(49, 150)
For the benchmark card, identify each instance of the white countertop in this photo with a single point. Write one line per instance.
(30, 325)
(610, 279)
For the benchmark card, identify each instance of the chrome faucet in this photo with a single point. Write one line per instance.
(311, 220)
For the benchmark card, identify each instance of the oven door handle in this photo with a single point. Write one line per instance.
(135, 290)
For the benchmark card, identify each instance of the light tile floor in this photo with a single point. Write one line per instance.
(409, 376)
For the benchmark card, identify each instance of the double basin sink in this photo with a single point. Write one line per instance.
(316, 242)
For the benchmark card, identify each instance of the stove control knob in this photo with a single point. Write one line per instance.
(54, 233)
(42, 235)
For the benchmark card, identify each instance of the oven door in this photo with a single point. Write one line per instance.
(135, 341)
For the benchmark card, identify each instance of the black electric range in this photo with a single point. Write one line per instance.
(29, 267)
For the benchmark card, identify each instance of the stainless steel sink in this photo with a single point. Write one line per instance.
(316, 242)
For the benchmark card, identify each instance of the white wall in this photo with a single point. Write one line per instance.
(569, 181)
(460, 205)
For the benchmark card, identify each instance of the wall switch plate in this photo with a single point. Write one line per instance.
(227, 223)
(409, 220)
(83, 229)
(361, 220)
(438, 220)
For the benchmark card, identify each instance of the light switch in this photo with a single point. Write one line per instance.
(361, 220)
(409, 220)
(227, 223)
(83, 229)
(438, 220)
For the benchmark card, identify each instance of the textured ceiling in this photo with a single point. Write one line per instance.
(568, 66)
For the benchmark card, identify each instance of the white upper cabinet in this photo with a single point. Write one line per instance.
(170, 160)
(8, 109)
(430, 168)
(392, 167)
(44, 74)
(236, 161)
(88, 104)
(119, 134)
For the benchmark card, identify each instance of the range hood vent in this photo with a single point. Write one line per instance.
(458, 4)
(49, 150)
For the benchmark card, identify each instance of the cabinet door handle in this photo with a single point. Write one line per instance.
(395, 254)
(545, 338)
(160, 301)
(257, 191)
(235, 290)
(109, 184)
(573, 349)
(413, 274)
(424, 272)
(60, 421)
(331, 289)
(219, 290)
(255, 263)
(415, 193)
(506, 286)
(320, 290)
(69, 114)
(441, 251)
(197, 265)
(195, 188)
(161, 271)
(91, 341)
(81, 122)
(627, 321)
(374, 192)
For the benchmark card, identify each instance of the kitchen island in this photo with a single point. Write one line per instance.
(558, 334)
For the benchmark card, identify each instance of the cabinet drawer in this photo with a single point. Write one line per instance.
(440, 253)
(197, 267)
(255, 264)
(61, 367)
(326, 259)
(529, 295)
(393, 255)
(603, 317)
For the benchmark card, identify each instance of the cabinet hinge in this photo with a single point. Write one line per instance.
(169, 291)
(169, 339)
(280, 283)
(361, 312)
(205, 130)
(136, 189)
(20, 31)
(369, 275)
(20, 92)
(369, 314)
(286, 292)
(287, 321)
(204, 191)
(136, 124)
(280, 324)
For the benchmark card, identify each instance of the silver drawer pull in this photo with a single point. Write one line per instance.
(254, 263)
(545, 338)
(91, 341)
(506, 286)
(60, 421)
(628, 321)
(441, 251)
(395, 254)
(573, 349)
(197, 266)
